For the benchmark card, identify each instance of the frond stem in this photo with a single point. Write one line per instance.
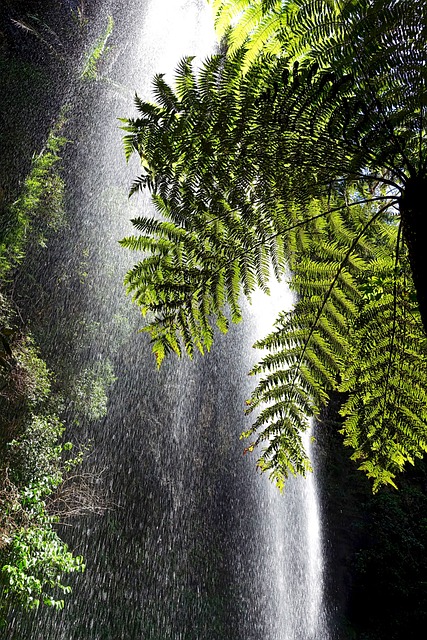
(392, 202)
(332, 285)
(238, 253)
(393, 331)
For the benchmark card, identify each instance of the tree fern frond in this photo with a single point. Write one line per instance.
(303, 164)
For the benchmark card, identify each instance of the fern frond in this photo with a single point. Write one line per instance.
(299, 162)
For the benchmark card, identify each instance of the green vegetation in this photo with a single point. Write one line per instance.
(34, 462)
(90, 70)
(39, 482)
(258, 26)
(43, 390)
(36, 560)
(33, 466)
(89, 391)
(311, 159)
(40, 204)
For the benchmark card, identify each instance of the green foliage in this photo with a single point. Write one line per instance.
(209, 246)
(257, 25)
(34, 464)
(40, 202)
(38, 480)
(88, 393)
(362, 337)
(100, 49)
(24, 376)
(32, 556)
(34, 461)
(37, 558)
(36, 454)
(312, 161)
(30, 373)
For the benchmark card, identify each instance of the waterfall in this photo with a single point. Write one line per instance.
(197, 546)
(292, 530)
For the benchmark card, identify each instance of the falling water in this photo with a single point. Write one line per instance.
(292, 530)
(197, 546)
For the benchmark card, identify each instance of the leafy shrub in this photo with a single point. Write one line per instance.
(30, 376)
(36, 560)
(89, 391)
(40, 202)
(36, 454)
(32, 467)
(32, 556)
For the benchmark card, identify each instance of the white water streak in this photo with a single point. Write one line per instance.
(294, 534)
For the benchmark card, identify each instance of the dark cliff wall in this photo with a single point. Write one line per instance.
(375, 545)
